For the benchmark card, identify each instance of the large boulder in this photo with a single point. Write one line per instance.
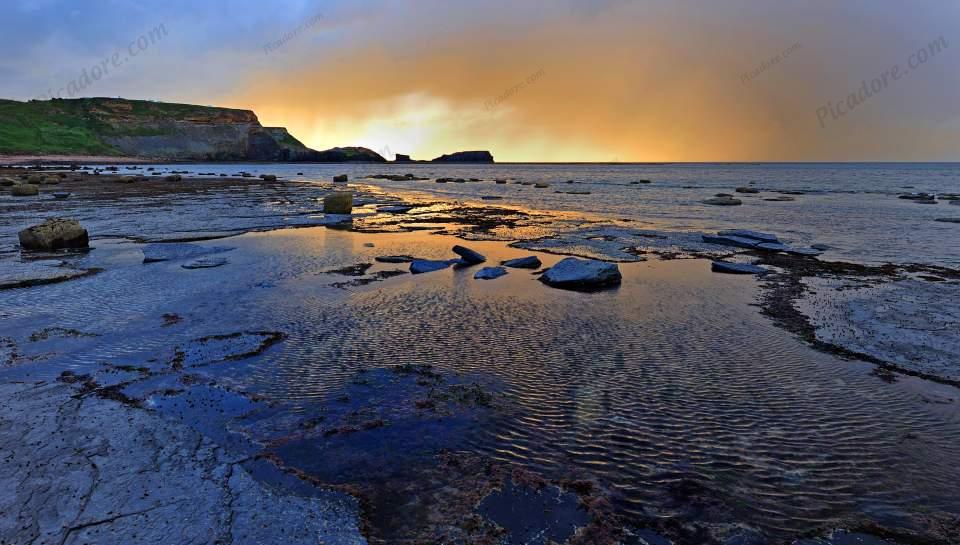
(340, 179)
(24, 190)
(582, 274)
(469, 256)
(7, 182)
(53, 234)
(338, 202)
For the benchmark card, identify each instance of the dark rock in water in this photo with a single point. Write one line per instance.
(54, 234)
(530, 262)
(500, 182)
(268, 177)
(738, 242)
(948, 220)
(395, 258)
(61, 195)
(340, 178)
(491, 198)
(205, 263)
(573, 273)
(541, 185)
(782, 198)
(916, 197)
(764, 237)
(534, 515)
(174, 178)
(421, 266)
(925, 201)
(723, 201)
(469, 256)
(747, 190)
(466, 157)
(736, 268)
(821, 247)
(178, 251)
(490, 273)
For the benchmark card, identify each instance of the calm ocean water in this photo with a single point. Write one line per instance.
(852, 207)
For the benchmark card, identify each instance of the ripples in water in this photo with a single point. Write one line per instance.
(671, 390)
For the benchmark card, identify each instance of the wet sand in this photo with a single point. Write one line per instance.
(671, 403)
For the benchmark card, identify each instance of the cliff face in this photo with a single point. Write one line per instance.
(152, 130)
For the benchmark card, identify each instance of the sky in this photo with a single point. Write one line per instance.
(533, 80)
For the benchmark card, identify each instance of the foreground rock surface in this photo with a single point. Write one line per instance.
(87, 470)
(339, 202)
(54, 234)
(573, 273)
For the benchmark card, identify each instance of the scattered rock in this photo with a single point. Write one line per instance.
(205, 263)
(24, 190)
(53, 234)
(61, 195)
(737, 268)
(541, 185)
(529, 262)
(420, 266)
(574, 273)
(491, 197)
(746, 233)
(268, 177)
(723, 201)
(469, 256)
(338, 202)
(490, 273)
(747, 190)
(948, 220)
(782, 198)
(174, 178)
(340, 179)
(394, 209)
(36, 179)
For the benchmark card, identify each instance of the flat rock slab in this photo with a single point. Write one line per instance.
(95, 471)
(582, 274)
(21, 274)
(178, 251)
(221, 348)
(490, 273)
(730, 240)
(206, 263)
(737, 268)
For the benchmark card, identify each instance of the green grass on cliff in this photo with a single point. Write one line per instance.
(49, 127)
(76, 126)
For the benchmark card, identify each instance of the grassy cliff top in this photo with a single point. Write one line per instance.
(74, 126)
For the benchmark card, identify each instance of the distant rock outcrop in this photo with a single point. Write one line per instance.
(466, 157)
